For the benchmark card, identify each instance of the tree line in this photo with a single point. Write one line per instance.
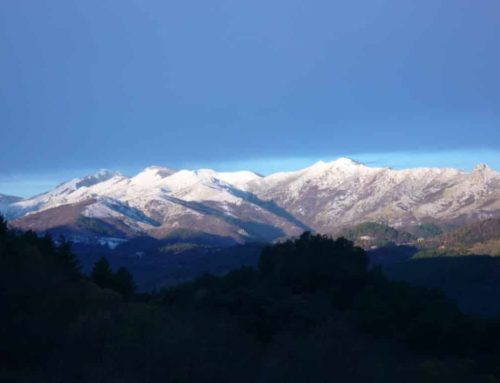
(312, 311)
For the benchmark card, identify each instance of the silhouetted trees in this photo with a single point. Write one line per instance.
(315, 262)
(312, 311)
(66, 255)
(124, 283)
(102, 275)
(302, 284)
(3, 226)
(121, 281)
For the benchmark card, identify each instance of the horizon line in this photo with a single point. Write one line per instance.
(28, 184)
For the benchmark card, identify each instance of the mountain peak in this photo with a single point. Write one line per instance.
(342, 163)
(158, 170)
(105, 173)
(152, 175)
(158, 167)
(482, 167)
(484, 172)
(100, 176)
(324, 196)
(345, 162)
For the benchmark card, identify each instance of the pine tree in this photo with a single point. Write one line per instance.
(102, 274)
(124, 283)
(67, 257)
(3, 226)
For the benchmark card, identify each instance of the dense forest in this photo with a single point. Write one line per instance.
(472, 281)
(481, 237)
(311, 311)
(369, 234)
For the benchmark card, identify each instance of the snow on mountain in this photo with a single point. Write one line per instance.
(321, 175)
(239, 179)
(476, 195)
(159, 200)
(70, 192)
(344, 192)
(151, 177)
(247, 206)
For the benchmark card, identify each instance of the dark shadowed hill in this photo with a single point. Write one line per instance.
(311, 310)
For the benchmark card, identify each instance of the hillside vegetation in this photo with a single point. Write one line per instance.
(370, 234)
(482, 237)
(472, 281)
(310, 311)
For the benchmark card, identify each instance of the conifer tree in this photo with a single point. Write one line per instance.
(102, 275)
(3, 226)
(124, 283)
(68, 258)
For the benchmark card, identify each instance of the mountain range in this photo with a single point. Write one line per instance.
(247, 207)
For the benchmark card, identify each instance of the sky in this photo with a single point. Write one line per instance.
(261, 85)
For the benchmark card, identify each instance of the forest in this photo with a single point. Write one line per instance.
(313, 310)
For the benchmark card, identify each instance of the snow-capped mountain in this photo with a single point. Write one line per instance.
(156, 202)
(247, 206)
(345, 192)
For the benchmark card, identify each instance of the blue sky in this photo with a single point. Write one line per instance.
(263, 85)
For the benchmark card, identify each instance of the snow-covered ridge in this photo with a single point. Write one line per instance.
(321, 196)
(152, 182)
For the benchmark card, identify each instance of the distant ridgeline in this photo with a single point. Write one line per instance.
(245, 207)
(311, 310)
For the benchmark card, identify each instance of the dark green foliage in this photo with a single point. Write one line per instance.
(66, 255)
(426, 230)
(3, 226)
(435, 252)
(482, 237)
(424, 319)
(473, 281)
(124, 283)
(58, 326)
(315, 262)
(102, 275)
(477, 232)
(40, 293)
(181, 247)
(316, 282)
(311, 312)
(379, 234)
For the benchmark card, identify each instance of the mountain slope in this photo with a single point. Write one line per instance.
(372, 234)
(157, 202)
(482, 237)
(325, 197)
